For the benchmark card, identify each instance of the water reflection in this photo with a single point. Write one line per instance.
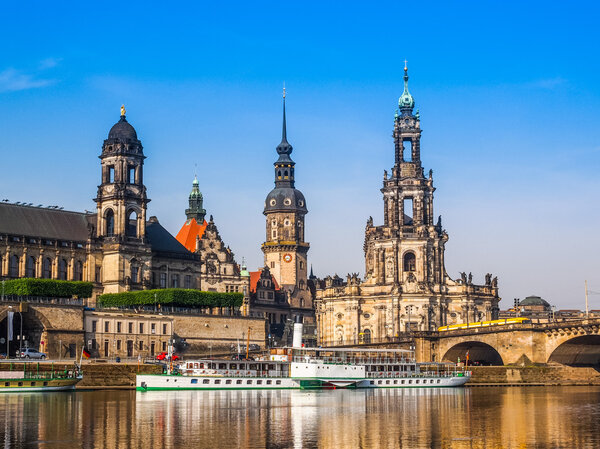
(457, 418)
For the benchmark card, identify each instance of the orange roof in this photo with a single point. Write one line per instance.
(254, 278)
(188, 232)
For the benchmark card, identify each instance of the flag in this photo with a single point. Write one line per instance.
(85, 353)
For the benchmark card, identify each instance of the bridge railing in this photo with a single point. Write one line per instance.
(42, 300)
(405, 337)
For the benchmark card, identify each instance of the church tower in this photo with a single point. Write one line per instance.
(121, 199)
(196, 211)
(121, 210)
(285, 249)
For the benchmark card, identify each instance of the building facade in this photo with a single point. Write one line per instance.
(285, 249)
(405, 286)
(219, 272)
(117, 248)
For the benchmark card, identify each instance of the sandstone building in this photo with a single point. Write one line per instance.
(405, 286)
(117, 248)
(285, 250)
(219, 271)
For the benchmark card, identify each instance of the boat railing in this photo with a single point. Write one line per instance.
(354, 360)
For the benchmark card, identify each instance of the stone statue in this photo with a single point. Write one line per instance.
(495, 281)
(370, 221)
(385, 175)
(463, 277)
(122, 110)
(470, 278)
(488, 279)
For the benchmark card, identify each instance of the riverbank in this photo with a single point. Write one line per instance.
(100, 375)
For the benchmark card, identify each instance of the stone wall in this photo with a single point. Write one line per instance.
(534, 375)
(208, 333)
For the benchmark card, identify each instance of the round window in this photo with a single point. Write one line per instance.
(287, 201)
(340, 316)
(273, 202)
(286, 222)
(300, 203)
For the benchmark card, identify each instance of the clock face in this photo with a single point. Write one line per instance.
(287, 258)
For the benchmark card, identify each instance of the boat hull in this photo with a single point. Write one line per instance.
(149, 382)
(35, 385)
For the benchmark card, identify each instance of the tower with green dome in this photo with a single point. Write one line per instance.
(195, 200)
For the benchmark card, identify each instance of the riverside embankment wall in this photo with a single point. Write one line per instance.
(122, 375)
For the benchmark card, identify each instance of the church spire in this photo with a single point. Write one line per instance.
(406, 103)
(284, 167)
(195, 201)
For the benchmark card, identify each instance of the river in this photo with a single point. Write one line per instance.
(482, 417)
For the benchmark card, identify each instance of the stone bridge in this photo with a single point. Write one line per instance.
(575, 343)
(53, 326)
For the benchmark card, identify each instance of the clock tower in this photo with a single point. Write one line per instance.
(285, 249)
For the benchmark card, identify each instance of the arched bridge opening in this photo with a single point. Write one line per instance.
(578, 351)
(26, 332)
(479, 354)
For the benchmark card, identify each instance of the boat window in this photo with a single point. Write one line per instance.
(417, 381)
(196, 365)
(222, 365)
(205, 381)
(402, 381)
(438, 381)
(271, 367)
(45, 384)
(410, 381)
(372, 382)
(278, 382)
(233, 366)
(202, 365)
(33, 384)
(7, 384)
(218, 381)
(20, 384)
(269, 382)
(259, 382)
(387, 382)
(249, 382)
(238, 382)
(252, 366)
(395, 382)
(228, 381)
(194, 381)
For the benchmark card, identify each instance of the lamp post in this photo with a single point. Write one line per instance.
(7, 332)
(21, 333)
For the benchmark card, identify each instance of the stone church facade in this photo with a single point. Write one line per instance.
(117, 248)
(405, 286)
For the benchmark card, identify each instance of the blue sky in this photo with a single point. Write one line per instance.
(508, 94)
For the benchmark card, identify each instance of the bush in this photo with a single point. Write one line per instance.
(48, 288)
(177, 297)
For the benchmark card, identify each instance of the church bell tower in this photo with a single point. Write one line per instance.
(285, 249)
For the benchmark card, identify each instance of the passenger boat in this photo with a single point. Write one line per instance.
(302, 368)
(27, 380)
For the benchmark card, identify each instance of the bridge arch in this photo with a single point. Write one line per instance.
(34, 327)
(582, 350)
(479, 353)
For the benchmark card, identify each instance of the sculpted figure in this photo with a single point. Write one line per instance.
(463, 277)
(470, 278)
(495, 281)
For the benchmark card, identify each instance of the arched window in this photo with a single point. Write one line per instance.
(279, 173)
(301, 302)
(62, 269)
(47, 268)
(367, 336)
(301, 285)
(285, 174)
(13, 266)
(78, 275)
(30, 268)
(410, 263)
(131, 229)
(110, 222)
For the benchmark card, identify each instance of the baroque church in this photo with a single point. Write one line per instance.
(118, 248)
(405, 287)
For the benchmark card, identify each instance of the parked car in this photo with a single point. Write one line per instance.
(165, 356)
(29, 353)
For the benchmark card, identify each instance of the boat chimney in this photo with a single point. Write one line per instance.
(297, 340)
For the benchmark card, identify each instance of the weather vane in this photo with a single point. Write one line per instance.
(122, 110)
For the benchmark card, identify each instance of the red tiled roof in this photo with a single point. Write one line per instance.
(254, 278)
(188, 232)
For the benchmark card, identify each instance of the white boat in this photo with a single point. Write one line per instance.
(302, 368)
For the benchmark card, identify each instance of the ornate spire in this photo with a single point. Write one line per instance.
(406, 103)
(284, 147)
(122, 110)
(195, 201)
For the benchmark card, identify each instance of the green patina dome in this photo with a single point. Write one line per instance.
(195, 189)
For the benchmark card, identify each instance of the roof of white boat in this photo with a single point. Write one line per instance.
(350, 350)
